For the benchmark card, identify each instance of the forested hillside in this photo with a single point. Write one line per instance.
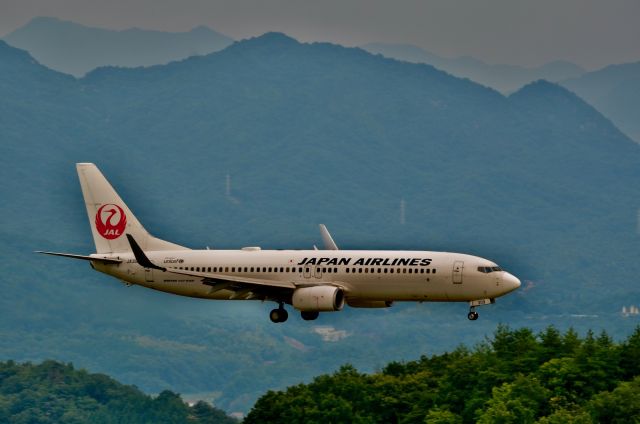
(538, 181)
(52, 392)
(515, 377)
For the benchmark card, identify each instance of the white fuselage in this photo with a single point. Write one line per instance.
(364, 275)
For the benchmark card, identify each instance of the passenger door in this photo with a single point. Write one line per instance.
(456, 275)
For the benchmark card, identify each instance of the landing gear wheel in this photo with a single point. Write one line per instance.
(278, 315)
(309, 315)
(472, 315)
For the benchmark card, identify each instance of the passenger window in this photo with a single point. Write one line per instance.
(434, 270)
(385, 270)
(233, 269)
(379, 271)
(226, 269)
(270, 269)
(347, 270)
(300, 269)
(391, 270)
(404, 270)
(264, 269)
(251, 269)
(366, 270)
(281, 269)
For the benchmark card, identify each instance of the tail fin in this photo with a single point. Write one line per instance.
(110, 218)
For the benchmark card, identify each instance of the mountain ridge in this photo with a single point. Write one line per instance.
(504, 78)
(75, 49)
(537, 181)
(614, 90)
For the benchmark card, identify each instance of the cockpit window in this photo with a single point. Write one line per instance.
(488, 269)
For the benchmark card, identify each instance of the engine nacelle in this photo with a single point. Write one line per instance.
(318, 299)
(357, 303)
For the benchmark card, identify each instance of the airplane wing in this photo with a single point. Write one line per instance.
(329, 244)
(221, 278)
(83, 257)
(216, 281)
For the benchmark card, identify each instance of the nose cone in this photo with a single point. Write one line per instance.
(510, 282)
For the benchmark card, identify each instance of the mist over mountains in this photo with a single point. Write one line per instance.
(313, 133)
(614, 90)
(76, 49)
(504, 78)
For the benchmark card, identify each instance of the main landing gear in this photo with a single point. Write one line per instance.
(279, 315)
(309, 315)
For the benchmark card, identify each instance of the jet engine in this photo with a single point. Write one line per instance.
(318, 299)
(356, 303)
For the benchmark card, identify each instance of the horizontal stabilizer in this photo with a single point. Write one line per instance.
(83, 257)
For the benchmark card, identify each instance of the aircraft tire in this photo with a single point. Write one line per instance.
(472, 316)
(309, 315)
(278, 315)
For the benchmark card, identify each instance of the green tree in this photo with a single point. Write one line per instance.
(620, 406)
(442, 416)
(519, 402)
(629, 356)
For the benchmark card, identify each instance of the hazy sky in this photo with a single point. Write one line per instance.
(592, 33)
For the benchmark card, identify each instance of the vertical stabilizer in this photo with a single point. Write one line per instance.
(110, 218)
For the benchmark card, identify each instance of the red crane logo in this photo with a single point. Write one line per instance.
(104, 221)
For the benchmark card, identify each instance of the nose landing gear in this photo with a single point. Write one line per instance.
(473, 315)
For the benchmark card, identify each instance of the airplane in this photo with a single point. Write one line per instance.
(311, 281)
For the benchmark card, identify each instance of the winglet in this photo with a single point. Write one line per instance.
(140, 256)
(329, 244)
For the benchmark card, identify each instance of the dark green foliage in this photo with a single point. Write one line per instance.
(517, 377)
(52, 392)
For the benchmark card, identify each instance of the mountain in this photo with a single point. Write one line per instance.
(76, 49)
(313, 133)
(505, 78)
(52, 392)
(615, 91)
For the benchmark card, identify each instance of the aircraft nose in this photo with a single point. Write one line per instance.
(510, 282)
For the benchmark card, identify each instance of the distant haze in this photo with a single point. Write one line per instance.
(590, 33)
